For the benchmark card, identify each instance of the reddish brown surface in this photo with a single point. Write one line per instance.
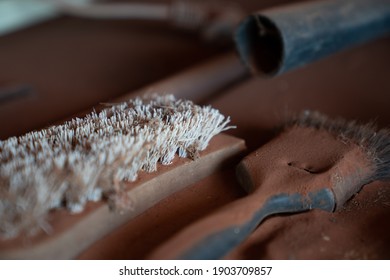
(73, 64)
(353, 84)
(329, 86)
(139, 237)
(354, 231)
(358, 231)
(301, 160)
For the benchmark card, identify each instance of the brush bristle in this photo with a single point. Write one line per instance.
(373, 141)
(89, 158)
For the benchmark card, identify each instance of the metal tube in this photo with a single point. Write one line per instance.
(276, 40)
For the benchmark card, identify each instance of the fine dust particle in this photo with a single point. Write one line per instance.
(325, 237)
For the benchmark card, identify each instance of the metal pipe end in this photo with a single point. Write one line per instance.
(260, 45)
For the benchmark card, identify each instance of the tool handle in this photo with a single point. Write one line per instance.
(194, 241)
(218, 234)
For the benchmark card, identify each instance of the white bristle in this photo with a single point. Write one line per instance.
(88, 158)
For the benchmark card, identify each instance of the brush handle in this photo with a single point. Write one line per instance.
(235, 224)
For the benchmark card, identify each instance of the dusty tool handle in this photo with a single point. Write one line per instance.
(217, 235)
(212, 236)
(283, 38)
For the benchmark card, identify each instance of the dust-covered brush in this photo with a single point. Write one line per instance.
(93, 158)
(368, 159)
(314, 163)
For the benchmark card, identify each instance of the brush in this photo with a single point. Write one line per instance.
(315, 163)
(93, 158)
(46, 176)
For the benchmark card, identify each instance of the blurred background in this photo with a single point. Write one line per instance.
(58, 58)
